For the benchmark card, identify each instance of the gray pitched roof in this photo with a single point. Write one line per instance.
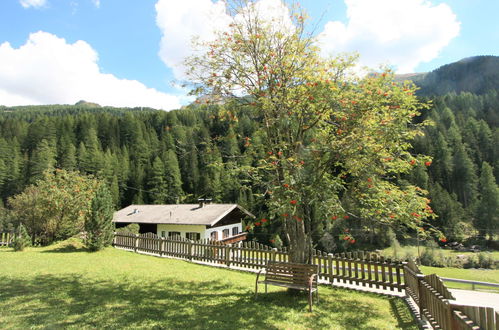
(180, 214)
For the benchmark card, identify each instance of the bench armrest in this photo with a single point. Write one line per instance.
(258, 275)
(311, 280)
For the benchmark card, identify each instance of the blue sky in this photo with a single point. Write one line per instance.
(128, 52)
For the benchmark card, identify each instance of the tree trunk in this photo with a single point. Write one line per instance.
(300, 243)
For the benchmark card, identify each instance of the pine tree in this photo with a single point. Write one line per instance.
(22, 239)
(487, 215)
(441, 168)
(156, 183)
(449, 210)
(67, 158)
(98, 224)
(172, 178)
(464, 177)
(42, 159)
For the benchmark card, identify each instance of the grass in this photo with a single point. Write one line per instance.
(411, 250)
(64, 286)
(481, 275)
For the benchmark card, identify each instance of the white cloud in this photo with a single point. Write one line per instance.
(48, 70)
(32, 3)
(96, 3)
(180, 21)
(400, 33)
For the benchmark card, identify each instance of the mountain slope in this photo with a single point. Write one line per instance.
(478, 75)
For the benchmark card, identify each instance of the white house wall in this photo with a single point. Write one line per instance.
(183, 229)
(221, 228)
(201, 229)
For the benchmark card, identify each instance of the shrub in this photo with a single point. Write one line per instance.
(431, 257)
(131, 228)
(22, 239)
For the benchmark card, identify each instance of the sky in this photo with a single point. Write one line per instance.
(128, 53)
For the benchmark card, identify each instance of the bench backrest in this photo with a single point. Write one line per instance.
(291, 273)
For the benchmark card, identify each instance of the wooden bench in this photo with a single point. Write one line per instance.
(291, 275)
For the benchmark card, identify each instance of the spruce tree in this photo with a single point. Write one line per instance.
(42, 159)
(98, 224)
(22, 239)
(173, 178)
(487, 215)
(157, 188)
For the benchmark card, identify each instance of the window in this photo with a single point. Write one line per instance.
(214, 235)
(163, 233)
(193, 236)
(225, 233)
(235, 231)
(173, 234)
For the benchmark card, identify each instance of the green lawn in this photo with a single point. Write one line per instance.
(481, 275)
(411, 250)
(66, 287)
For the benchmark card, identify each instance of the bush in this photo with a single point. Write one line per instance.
(131, 228)
(481, 260)
(431, 257)
(22, 239)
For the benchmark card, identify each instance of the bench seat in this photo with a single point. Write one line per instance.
(291, 275)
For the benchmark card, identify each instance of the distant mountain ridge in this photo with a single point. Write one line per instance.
(477, 75)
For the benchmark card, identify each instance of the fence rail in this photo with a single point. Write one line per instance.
(435, 303)
(359, 268)
(6, 238)
(473, 283)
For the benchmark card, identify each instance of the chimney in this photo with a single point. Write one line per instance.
(201, 202)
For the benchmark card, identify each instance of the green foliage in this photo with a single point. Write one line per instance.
(131, 228)
(488, 207)
(55, 207)
(22, 239)
(200, 160)
(98, 221)
(321, 125)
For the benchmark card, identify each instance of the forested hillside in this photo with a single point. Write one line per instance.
(477, 75)
(150, 156)
(462, 179)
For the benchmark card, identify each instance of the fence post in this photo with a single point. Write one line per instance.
(227, 255)
(273, 255)
(136, 243)
(162, 246)
(421, 303)
(330, 267)
(189, 247)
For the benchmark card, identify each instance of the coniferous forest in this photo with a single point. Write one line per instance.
(156, 157)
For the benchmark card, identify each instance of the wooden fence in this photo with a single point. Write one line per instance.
(434, 300)
(435, 303)
(359, 268)
(6, 238)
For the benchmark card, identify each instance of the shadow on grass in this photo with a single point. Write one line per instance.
(402, 313)
(66, 249)
(69, 301)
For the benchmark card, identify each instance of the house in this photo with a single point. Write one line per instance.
(220, 222)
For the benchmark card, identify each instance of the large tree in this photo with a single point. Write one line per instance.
(55, 207)
(329, 133)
